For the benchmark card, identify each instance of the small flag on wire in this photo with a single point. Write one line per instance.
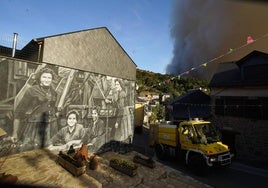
(250, 40)
(204, 64)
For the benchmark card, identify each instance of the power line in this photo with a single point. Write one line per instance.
(250, 41)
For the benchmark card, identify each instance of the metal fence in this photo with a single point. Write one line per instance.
(11, 42)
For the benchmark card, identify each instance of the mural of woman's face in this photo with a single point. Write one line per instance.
(117, 86)
(46, 79)
(71, 120)
(95, 115)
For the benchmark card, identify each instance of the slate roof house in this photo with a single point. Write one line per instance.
(194, 104)
(244, 84)
(88, 64)
(94, 50)
(239, 93)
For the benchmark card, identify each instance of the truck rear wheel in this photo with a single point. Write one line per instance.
(160, 151)
(197, 165)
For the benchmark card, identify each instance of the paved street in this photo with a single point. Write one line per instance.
(237, 175)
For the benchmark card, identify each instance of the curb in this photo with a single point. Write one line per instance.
(249, 169)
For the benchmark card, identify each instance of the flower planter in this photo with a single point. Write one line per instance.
(126, 167)
(93, 162)
(149, 162)
(71, 165)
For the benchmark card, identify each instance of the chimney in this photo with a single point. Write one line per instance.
(15, 37)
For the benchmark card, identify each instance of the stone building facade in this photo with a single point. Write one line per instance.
(239, 93)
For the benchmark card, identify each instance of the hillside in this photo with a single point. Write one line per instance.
(156, 83)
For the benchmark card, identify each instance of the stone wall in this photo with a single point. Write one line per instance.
(251, 143)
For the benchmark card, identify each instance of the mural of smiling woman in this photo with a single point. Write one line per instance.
(70, 135)
(34, 114)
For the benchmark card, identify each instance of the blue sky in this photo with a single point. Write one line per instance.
(142, 27)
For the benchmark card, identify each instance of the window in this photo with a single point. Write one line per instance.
(247, 107)
(234, 106)
(20, 70)
(219, 106)
(253, 108)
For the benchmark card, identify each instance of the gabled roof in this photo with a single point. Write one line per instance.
(191, 97)
(262, 58)
(5, 51)
(85, 30)
(67, 33)
(93, 50)
(228, 74)
(233, 73)
(193, 104)
(28, 47)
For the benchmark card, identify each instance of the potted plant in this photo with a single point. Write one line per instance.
(126, 167)
(69, 163)
(93, 162)
(74, 161)
(146, 161)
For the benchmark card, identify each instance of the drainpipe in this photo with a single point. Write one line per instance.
(15, 38)
(39, 58)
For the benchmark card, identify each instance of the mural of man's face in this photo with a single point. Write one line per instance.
(46, 79)
(71, 120)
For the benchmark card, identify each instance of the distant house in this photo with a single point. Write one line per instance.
(239, 93)
(90, 68)
(194, 104)
(5, 51)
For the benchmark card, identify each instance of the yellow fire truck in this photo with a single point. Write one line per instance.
(195, 141)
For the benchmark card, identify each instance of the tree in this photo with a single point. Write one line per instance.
(167, 84)
(158, 113)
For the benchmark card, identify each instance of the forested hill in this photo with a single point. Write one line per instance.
(156, 83)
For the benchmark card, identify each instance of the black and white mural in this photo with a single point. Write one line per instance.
(44, 105)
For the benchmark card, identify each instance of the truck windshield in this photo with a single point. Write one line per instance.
(207, 133)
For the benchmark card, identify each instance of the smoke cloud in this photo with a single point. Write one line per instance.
(205, 29)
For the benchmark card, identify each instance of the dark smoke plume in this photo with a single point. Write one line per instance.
(205, 29)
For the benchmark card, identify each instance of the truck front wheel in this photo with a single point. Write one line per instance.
(198, 165)
(160, 151)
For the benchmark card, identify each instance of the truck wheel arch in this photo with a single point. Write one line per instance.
(197, 164)
(192, 152)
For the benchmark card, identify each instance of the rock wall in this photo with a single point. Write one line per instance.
(251, 143)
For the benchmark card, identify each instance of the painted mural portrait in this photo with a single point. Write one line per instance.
(56, 107)
(70, 135)
(117, 98)
(34, 111)
(95, 135)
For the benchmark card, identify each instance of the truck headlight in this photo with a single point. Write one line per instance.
(212, 159)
